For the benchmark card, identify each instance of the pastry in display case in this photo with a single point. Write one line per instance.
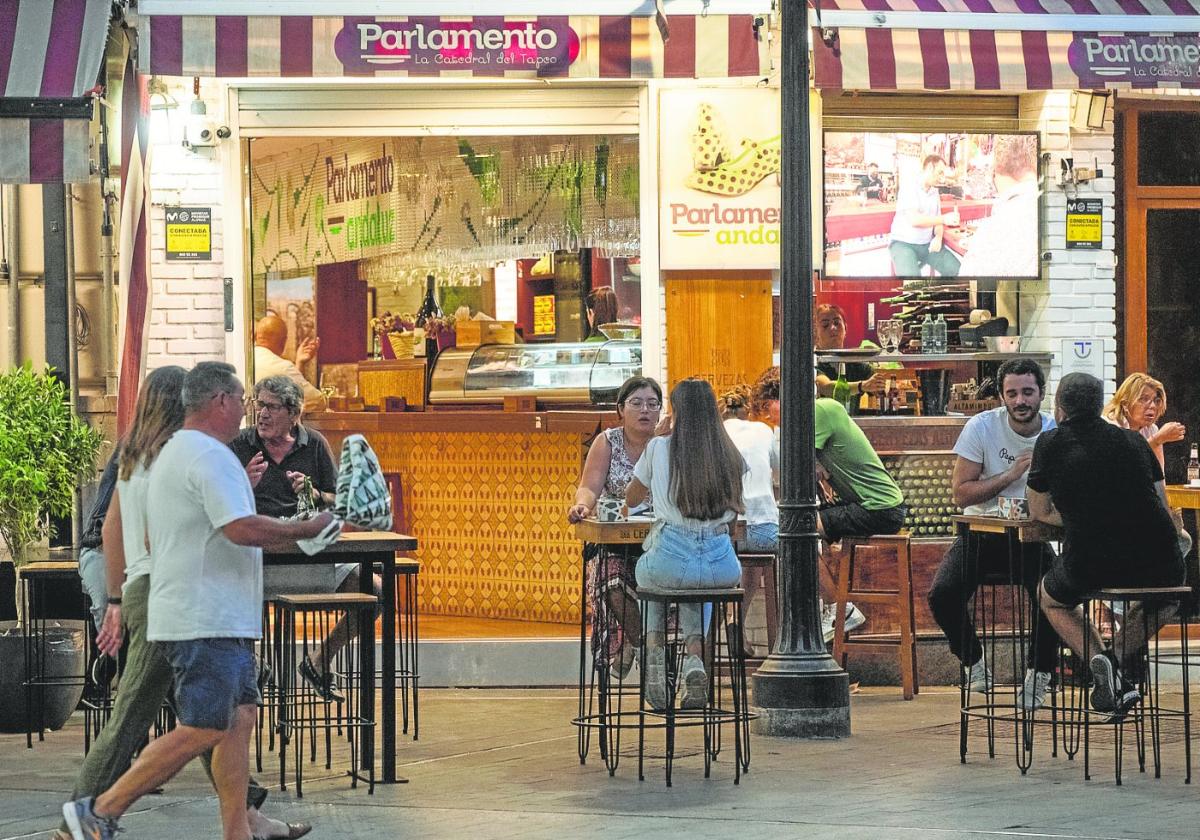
(580, 373)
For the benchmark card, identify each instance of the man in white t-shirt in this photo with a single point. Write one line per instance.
(205, 605)
(915, 239)
(994, 451)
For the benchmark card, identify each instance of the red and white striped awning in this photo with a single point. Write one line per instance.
(540, 46)
(50, 54)
(1011, 45)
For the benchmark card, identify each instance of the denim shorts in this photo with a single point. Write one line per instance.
(761, 537)
(212, 678)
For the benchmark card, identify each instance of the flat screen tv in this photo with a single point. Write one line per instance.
(952, 205)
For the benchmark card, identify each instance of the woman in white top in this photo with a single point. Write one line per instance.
(695, 473)
(755, 440)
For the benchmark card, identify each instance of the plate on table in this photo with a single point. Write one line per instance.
(851, 352)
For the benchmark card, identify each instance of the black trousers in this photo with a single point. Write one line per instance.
(959, 576)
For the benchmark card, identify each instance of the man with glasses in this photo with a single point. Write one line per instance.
(279, 454)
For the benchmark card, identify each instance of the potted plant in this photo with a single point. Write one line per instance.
(45, 452)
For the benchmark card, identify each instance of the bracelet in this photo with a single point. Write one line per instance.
(116, 602)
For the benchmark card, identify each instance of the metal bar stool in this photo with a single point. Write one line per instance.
(306, 619)
(1148, 715)
(408, 636)
(725, 670)
(900, 598)
(59, 662)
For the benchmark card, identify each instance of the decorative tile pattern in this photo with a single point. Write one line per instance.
(489, 510)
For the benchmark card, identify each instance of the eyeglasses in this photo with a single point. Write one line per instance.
(639, 404)
(1153, 399)
(267, 406)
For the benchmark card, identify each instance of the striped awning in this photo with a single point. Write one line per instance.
(1010, 45)
(50, 54)
(544, 46)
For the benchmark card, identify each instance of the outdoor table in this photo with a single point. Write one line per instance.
(1017, 532)
(1186, 497)
(368, 549)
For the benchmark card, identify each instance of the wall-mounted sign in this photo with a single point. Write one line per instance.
(1138, 60)
(1084, 223)
(543, 315)
(189, 233)
(416, 45)
(1083, 355)
(719, 154)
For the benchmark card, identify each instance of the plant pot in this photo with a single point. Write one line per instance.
(52, 705)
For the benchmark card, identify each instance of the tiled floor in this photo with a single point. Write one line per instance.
(502, 763)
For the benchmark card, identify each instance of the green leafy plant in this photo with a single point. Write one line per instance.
(45, 452)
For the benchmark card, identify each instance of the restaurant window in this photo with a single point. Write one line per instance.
(344, 230)
(1170, 144)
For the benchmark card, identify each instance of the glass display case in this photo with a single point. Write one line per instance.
(584, 372)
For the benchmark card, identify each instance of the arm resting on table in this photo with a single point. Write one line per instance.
(274, 534)
(1041, 508)
(970, 489)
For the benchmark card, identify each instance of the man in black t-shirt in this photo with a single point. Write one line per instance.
(1104, 486)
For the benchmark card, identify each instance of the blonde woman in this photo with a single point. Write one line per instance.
(1138, 405)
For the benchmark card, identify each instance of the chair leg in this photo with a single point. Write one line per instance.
(908, 645)
(844, 585)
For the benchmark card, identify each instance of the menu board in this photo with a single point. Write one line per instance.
(543, 315)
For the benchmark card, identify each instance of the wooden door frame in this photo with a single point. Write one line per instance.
(1136, 202)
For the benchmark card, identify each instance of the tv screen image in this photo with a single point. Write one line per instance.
(949, 205)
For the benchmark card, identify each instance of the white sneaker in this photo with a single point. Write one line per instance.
(1032, 695)
(979, 678)
(654, 678)
(695, 683)
(854, 619)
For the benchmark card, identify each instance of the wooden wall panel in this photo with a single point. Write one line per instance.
(718, 327)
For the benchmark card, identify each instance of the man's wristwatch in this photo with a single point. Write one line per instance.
(116, 602)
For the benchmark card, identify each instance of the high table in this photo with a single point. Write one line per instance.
(368, 549)
(1016, 533)
(1186, 497)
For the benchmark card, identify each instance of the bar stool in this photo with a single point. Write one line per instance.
(763, 564)
(1148, 715)
(607, 703)
(726, 672)
(298, 707)
(408, 636)
(901, 598)
(47, 662)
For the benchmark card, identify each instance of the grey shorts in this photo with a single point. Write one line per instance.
(212, 678)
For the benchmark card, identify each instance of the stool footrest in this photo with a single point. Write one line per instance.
(1139, 591)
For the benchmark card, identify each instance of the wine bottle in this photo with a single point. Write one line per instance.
(1193, 467)
(429, 306)
(842, 392)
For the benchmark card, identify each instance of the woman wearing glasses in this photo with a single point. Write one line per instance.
(612, 599)
(1138, 405)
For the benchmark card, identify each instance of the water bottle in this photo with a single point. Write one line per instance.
(939, 334)
(927, 344)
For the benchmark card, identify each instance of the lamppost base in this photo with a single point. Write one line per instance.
(802, 697)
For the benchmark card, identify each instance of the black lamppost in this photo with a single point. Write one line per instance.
(800, 690)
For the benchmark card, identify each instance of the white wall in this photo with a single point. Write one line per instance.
(1077, 297)
(187, 299)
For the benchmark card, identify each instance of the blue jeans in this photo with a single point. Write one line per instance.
(761, 538)
(95, 584)
(686, 559)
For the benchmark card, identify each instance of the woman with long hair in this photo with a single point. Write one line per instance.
(607, 471)
(601, 309)
(695, 472)
(146, 681)
(1138, 405)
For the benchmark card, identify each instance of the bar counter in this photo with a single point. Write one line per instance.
(486, 493)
